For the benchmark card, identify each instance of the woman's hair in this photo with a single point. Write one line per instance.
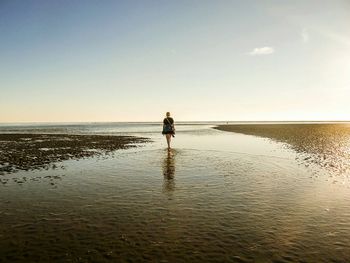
(167, 114)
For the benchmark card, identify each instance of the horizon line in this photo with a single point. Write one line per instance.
(226, 121)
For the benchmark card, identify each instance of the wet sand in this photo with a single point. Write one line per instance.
(42, 151)
(326, 144)
(215, 197)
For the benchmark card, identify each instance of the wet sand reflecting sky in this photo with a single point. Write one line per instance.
(206, 200)
(324, 144)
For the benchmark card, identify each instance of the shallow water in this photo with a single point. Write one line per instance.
(216, 196)
(324, 144)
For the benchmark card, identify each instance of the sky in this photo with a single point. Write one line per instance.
(91, 61)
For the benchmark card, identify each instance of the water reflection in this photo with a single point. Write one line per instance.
(169, 171)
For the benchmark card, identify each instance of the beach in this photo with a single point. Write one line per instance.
(252, 98)
(42, 151)
(242, 196)
(324, 144)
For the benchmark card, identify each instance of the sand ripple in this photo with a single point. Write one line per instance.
(186, 205)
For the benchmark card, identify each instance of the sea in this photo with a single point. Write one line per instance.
(216, 196)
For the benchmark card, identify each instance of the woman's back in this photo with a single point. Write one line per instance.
(168, 128)
(168, 120)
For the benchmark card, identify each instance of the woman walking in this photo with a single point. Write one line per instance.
(168, 128)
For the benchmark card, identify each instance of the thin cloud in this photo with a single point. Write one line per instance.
(305, 35)
(339, 38)
(262, 51)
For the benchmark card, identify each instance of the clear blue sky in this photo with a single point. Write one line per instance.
(201, 60)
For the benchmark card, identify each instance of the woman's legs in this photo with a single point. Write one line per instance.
(168, 139)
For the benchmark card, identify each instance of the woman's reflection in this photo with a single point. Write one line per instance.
(169, 171)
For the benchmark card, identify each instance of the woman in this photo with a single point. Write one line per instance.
(168, 128)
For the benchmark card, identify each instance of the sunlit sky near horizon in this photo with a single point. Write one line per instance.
(67, 61)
